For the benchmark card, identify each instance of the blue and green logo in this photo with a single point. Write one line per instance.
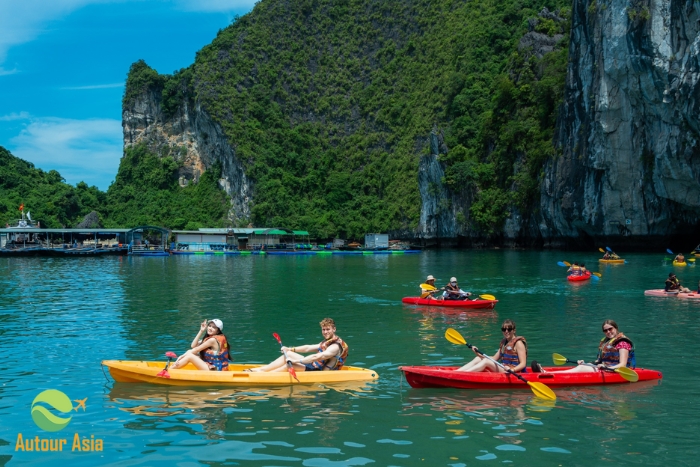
(45, 419)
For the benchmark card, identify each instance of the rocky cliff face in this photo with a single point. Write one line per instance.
(193, 139)
(628, 132)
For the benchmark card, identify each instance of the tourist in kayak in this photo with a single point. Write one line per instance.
(330, 354)
(427, 292)
(583, 269)
(575, 270)
(614, 351)
(454, 292)
(679, 258)
(607, 255)
(512, 353)
(207, 353)
(674, 285)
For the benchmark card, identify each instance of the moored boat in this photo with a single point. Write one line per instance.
(579, 277)
(450, 303)
(446, 377)
(147, 372)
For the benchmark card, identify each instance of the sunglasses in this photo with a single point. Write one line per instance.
(506, 328)
(606, 330)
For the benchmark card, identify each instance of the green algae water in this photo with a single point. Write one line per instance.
(61, 317)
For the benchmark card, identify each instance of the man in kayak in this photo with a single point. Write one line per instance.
(454, 292)
(210, 352)
(512, 353)
(615, 350)
(674, 285)
(330, 353)
(607, 255)
(679, 258)
(427, 292)
(575, 270)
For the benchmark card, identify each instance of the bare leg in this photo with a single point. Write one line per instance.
(483, 365)
(190, 358)
(280, 362)
(470, 365)
(580, 369)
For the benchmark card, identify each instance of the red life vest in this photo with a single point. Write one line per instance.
(219, 360)
(339, 359)
(509, 356)
(609, 355)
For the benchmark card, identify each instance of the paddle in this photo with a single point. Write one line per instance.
(290, 367)
(164, 372)
(430, 288)
(487, 297)
(539, 389)
(601, 250)
(627, 373)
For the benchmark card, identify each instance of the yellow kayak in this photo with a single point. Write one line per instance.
(125, 371)
(676, 263)
(612, 261)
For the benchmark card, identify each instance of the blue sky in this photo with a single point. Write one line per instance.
(63, 64)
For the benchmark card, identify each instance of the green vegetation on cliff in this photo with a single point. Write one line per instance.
(329, 104)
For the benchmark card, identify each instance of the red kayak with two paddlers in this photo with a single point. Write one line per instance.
(480, 303)
(447, 377)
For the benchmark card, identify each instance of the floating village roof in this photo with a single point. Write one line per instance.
(246, 231)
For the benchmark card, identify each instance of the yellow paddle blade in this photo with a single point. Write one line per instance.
(558, 359)
(542, 391)
(601, 250)
(690, 260)
(597, 274)
(425, 295)
(428, 287)
(455, 337)
(628, 373)
(568, 264)
(487, 297)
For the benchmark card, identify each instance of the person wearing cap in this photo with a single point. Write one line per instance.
(427, 292)
(454, 292)
(330, 354)
(210, 352)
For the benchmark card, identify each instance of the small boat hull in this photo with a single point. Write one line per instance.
(580, 277)
(663, 293)
(485, 304)
(446, 377)
(612, 261)
(125, 371)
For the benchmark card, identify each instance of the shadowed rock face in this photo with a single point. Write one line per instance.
(628, 131)
(192, 138)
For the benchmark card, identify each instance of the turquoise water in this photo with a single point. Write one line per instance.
(60, 317)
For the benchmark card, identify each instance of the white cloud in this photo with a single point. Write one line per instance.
(216, 5)
(81, 150)
(94, 86)
(15, 116)
(22, 21)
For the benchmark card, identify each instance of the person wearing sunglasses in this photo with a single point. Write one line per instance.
(614, 351)
(453, 292)
(512, 353)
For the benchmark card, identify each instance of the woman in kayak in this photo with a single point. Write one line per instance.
(427, 292)
(330, 354)
(454, 292)
(512, 353)
(207, 353)
(614, 351)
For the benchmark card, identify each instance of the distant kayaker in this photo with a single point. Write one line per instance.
(614, 351)
(512, 353)
(207, 353)
(427, 292)
(607, 255)
(583, 269)
(674, 285)
(679, 258)
(330, 354)
(454, 292)
(575, 270)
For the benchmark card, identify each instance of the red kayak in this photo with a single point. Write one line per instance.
(450, 303)
(579, 277)
(446, 377)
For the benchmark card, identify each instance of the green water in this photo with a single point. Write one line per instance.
(60, 317)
